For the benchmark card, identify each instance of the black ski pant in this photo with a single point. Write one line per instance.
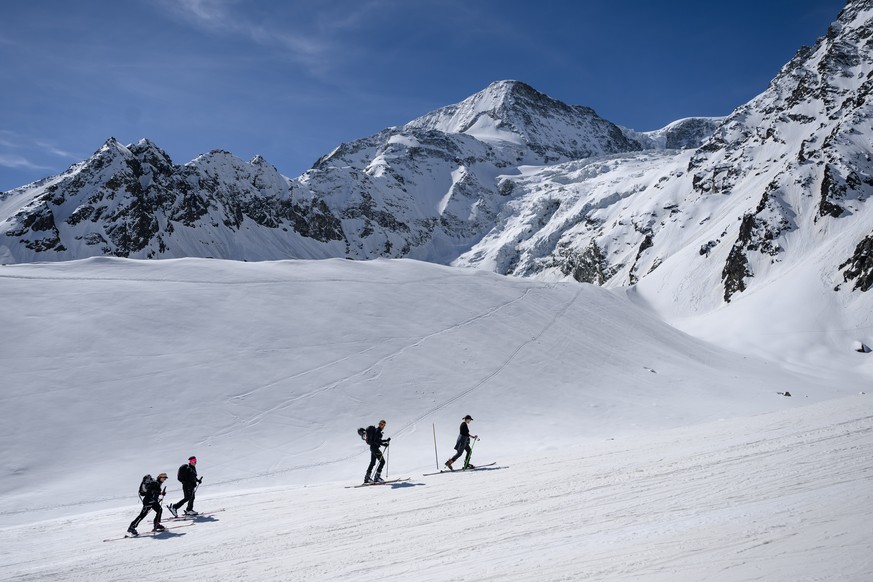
(462, 446)
(188, 492)
(156, 505)
(376, 455)
(467, 450)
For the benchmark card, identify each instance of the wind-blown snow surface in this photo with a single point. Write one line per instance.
(625, 449)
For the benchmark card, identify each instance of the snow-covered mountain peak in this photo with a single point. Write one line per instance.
(514, 114)
(496, 102)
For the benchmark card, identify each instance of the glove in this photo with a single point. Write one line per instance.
(164, 492)
(200, 480)
(388, 440)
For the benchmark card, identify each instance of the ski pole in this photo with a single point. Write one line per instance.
(387, 456)
(470, 454)
(436, 456)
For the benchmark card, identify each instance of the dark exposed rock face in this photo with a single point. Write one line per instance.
(134, 202)
(859, 267)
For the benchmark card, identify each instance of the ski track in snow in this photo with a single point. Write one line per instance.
(781, 496)
(497, 370)
(370, 371)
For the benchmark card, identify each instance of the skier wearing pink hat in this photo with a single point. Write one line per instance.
(188, 477)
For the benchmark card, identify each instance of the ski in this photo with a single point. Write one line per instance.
(379, 483)
(476, 468)
(183, 517)
(148, 533)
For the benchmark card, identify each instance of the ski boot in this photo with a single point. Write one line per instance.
(449, 465)
(132, 531)
(378, 479)
(173, 510)
(159, 528)
(191, 512)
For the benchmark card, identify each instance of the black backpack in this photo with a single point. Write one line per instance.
(182, 473)
(147, 480)
(367, 433)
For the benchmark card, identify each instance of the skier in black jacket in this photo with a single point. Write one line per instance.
(188, 477)
(463, 444)
(374, 438)
(151, 499)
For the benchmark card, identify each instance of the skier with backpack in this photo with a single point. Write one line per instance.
(150, 493)
(187, 475)
(372, 435)
(462, 445)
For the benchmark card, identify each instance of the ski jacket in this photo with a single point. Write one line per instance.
(463, 438)
(188, 475)
(153, 493)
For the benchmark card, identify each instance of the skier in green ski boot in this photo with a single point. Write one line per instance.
(462, 445)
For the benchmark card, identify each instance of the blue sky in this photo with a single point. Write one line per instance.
(292, 79)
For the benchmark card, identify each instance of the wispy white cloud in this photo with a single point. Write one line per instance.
(312, 33)
(19, 152)
(223, 17)
(56, 151)
(19, 162)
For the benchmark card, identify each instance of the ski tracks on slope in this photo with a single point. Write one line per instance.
(374, 370)
(503, 365)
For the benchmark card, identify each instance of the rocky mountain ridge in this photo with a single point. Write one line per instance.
(426, 190)
(514, 181)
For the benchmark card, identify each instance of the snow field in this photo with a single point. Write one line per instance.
(781, 496)
(626, 449)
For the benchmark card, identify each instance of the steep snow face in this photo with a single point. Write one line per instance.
(686, 133)
(410, 192)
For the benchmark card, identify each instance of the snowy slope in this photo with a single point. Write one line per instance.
(266, 369)
(783, 496)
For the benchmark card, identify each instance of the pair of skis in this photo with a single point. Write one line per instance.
(467, 470)
(151, 533)
(377, 483)
(476, 468)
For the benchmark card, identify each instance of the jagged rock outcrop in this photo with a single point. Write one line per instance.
(134, 202)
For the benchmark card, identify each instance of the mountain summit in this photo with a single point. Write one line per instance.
(512, 112)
